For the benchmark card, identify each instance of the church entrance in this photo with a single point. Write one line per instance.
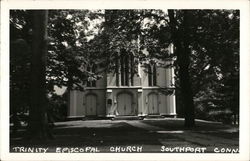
(124, 104)
(91, 102)
(153, 108)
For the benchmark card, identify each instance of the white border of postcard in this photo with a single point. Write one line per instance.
(242, 5)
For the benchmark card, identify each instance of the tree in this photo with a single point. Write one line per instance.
(181, 39)
(206, 49)
(20, 59)
(217, 44)
(72, 46)
(149, 25)
(38, 121)
(19, 80)
(214, 43)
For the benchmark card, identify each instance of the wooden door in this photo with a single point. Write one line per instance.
(153, 107)
(91, 102)
(124, 104)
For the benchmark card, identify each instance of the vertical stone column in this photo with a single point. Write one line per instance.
(168, 105)
(168, 76)
(172, 97)
(173, 105)
(140, 104)
(73, 103)
(84, 104)
(109, 106)
(79, 107)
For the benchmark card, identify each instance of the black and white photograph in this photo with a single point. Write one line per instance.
(124, 81)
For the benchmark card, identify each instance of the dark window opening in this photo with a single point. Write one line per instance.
(152, 75)
(109, 102)
(149, 76)
(122, 70)
(117, 70)
(94, 72)
(126, 70)
(132, 69)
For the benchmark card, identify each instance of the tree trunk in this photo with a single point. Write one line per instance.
(38, 121)
(181, 42)
(186, 90)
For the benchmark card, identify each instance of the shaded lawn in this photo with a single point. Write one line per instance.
(112, 133)
(203, 127)
(118, 134)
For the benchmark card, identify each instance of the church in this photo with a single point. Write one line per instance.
(127, 92)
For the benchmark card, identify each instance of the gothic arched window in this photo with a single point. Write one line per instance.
(91, 82)
(149, 75)
(124, 69)
(152, 75)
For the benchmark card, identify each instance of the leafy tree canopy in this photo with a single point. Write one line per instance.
(80, 37)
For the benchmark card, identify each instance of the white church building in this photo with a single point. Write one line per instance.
(124, 92)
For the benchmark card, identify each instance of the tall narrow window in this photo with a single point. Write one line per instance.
(132, 69)
(88, 81)
(152, 75)
(94, 72)
(122, 70)
(91, 80)
(126, 70)
(149, 75)
(117, 70)
(124, 65)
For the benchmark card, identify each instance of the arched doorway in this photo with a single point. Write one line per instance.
(124, 104)
(153, 108)
(91, 102)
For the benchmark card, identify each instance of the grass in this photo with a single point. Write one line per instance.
(106, 133)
